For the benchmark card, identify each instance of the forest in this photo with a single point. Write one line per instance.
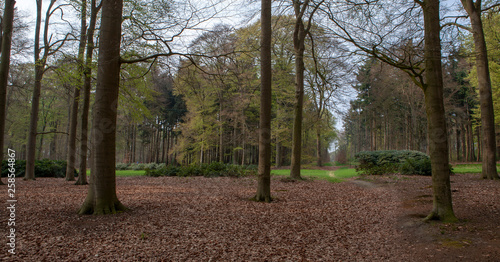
(246, 89)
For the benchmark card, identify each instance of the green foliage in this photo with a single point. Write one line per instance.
(122, 166)
(43, 168)
(393, 161)
(215, 169)
(413, 166)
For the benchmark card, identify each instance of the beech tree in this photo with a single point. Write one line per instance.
(70, 163)
(299, 36)
(6, 43)
(489, 169)
(369, 36)
(101, 196)
(87, 75)
(49, 48)
(264, 179)
(436, 120)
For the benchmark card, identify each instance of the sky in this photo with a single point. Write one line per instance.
(28, 5)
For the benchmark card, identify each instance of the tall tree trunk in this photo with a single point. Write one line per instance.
(39, 71)
(70, 166)
(6, 44)
(71, 156)
(464, 142)
(35, 101)
(436, 120)
(53, 144)
(264, 180)
(299, 36)
(318, 147)
(278, 152)
(87, 86)
(485, 95)
(101, 197)
(479, 145)
(221, 135)
(458, 145)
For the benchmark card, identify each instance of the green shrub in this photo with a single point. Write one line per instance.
(43, 168)
(416, 167)
(137, 166)
(394, 161)
(121, 166)
(214, 169)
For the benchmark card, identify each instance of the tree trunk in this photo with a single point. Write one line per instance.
(82, 178)
(278, 152)
(6, 44)
(458, 146)
(35, 101)
(318, 147)
(264, 179)
(101, 197)
(436, 120)
(71, 156)
(299, 36)
(485, 95)
(39, 71)
(479, 145)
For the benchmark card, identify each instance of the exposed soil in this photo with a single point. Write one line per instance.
(212, 219)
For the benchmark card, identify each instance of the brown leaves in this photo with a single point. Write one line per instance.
(174, 219)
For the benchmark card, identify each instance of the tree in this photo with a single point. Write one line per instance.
(101, 196)
(6, 43)
(70, 163)
(87, 74)
(264, 179)
(436, 120)
(426, 72)
(299, 36)
(40, 69)
(489, 170)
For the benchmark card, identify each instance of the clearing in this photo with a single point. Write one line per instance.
(203, 219)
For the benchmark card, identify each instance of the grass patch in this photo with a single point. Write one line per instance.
(123, 173)
(346, 172)
(469, 168)
(334, 177)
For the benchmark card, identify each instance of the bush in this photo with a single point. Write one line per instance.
(43, 168)
(121, 166)
(394, 161)
(137, 166)
(416, 167)
(214, 169)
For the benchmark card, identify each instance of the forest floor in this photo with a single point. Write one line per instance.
(213, 219)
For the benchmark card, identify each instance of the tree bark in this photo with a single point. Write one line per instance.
(299, 36)
(318, 147)
(35, 101)
(264, 179)
(101, 197)
(70, 166)
(82, 178)
(436, 120)
(485, 94)
(40, 64)
(6, 44)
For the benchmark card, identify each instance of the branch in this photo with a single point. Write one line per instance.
(490, 7)
(457, 25)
